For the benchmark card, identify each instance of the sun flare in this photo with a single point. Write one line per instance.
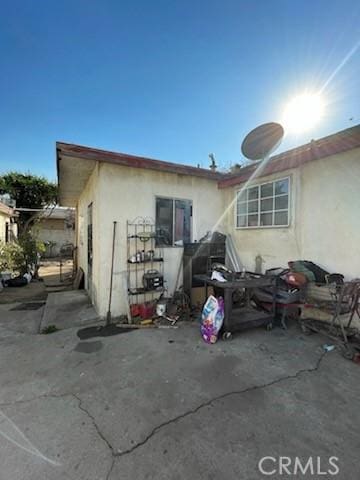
(303, 112)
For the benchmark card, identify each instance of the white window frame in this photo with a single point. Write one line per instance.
(264, 198)
(173, 217)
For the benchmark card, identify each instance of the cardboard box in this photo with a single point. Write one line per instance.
(198, 296)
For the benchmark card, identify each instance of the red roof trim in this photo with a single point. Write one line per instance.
(78, 151)
(337, 143)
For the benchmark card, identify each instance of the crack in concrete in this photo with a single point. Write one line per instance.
(155, 430)
(83, 409)
(92, 418)
(207, 403)
(111, 468)
(99, 432)
(44, 395)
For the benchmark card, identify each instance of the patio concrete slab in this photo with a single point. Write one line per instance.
(68, 309)
(162, 404)
(20, 321)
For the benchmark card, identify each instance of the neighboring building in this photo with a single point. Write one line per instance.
(8, 227)
(302, 205)
(56, 228)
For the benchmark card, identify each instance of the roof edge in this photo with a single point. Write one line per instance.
(338, 142)
(134, 161)
(7, 210)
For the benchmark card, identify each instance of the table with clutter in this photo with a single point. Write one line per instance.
(236, 290)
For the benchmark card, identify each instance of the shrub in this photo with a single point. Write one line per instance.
(11, 257)
(18, 256)
(32, 249)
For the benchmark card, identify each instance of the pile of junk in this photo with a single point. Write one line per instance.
(165, 311)
(214, 282)
(320, 301)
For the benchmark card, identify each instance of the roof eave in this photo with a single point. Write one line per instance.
(334, 144)
(133, 161)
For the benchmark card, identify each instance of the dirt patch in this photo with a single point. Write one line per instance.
(34, 291)
(28, 306)
(56, 272)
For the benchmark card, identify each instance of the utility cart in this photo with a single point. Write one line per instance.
(237, 318)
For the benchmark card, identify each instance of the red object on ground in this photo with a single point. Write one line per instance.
(296, 279)
(135, 310)
(146, 310)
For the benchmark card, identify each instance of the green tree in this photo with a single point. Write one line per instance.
(29, 191)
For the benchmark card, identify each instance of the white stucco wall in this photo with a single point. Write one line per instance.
(89, 195)
(330, 213)
(54, 230)
(275, 245)
(324, 222)
(125, 193)
(3, 220)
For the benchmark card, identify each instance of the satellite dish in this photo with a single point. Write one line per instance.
(262, 141)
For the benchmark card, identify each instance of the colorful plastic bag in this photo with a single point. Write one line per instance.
(212, 318)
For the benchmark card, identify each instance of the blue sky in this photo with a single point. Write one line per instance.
(172, 80)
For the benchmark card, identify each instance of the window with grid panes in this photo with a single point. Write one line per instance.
(264, 205)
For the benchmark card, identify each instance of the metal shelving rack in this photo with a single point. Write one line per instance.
(137, 230)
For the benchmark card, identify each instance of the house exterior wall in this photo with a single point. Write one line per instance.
(125, 193)
(330, 200)
(90, 195)
(4, 219)
(276, 245)
(324, 222)
(324, 219)
(54, 230)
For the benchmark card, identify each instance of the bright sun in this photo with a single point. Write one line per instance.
(303, 112)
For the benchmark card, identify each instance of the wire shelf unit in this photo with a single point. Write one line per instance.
(142, 256)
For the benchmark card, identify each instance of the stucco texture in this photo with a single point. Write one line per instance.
(324, 222)
(324, 219)
(120, 193)
(54, 230)
(90, 195)
(4, 219)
